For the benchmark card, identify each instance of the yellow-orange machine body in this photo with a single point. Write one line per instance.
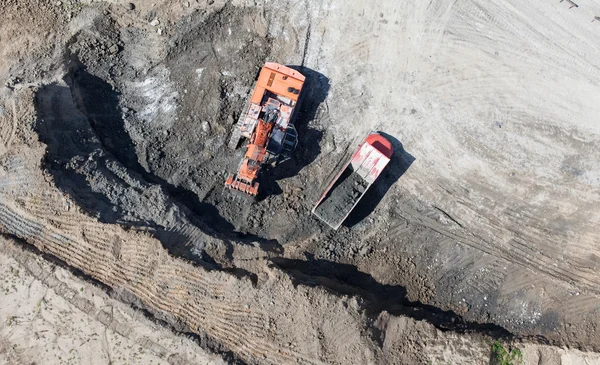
(267, 120)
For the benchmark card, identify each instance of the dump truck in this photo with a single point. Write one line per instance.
(356, 177)
(268, 122)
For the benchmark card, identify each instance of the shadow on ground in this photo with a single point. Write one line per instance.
(398, 165)
(348, 280)
(93, 159)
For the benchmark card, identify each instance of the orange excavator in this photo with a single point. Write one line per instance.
(268, 121)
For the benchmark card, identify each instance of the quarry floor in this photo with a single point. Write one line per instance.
(114, 122)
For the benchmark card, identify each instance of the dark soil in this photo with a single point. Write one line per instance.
(342, 197)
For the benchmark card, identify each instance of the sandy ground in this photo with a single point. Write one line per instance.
(113, 130)
(496, 102)
(50, 316)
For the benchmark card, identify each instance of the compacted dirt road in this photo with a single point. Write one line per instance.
(114, 122)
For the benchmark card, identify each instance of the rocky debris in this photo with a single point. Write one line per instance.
(205, 127)
(113, 49)
(13, 81)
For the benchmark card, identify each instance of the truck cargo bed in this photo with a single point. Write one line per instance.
(351, 184)
(342, 198)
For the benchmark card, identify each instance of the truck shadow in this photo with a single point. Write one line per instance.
(315, 91)
(348, 280)
(398, 165)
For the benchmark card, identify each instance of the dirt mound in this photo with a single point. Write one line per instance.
(137, 131)
(103, 128)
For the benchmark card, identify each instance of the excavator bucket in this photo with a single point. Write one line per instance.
(234, 183)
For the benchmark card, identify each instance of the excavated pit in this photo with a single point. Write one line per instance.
(141, 142)
(163, 113)
(143, 145)
(136, 134)
(131, 150)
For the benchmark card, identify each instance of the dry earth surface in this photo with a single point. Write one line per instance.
(50, 316)
(114, 122)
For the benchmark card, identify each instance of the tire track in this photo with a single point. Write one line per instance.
(8, 125)
(517, 251)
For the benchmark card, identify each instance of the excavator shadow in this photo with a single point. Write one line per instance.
(315, 93)
(82, 121)
(398, 165)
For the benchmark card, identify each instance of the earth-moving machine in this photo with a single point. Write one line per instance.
(352, 182)
(268, 121)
